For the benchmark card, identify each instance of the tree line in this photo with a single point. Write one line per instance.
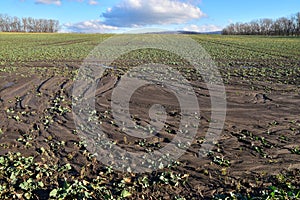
(284, 26)
(27, 24)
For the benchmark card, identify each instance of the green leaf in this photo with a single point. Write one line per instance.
(2, 160)
(53, 193)
(125, 194)
(27, 195)
(68, 166)
(41, 184)
(24, 186)
(13, 177)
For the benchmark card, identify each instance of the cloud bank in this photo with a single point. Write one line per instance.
(203, 28)
(93, 2)
(91, 26)
(137, 13)
(140, 14)
(55, 2)
(59, 2)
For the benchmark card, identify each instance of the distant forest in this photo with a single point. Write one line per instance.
(27, 24)
(284, 26)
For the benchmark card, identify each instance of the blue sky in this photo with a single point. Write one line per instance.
(123, 15)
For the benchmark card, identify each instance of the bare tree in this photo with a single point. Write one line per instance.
(29, 24)
(24, 24)
(297, 22)
(265, 26)
(2, 23)
(285, 26)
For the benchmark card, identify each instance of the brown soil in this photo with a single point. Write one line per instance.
(260, 130)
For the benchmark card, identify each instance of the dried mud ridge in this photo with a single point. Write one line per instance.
(261, 131)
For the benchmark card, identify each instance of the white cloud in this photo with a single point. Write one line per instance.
(135, 13)
(203, 28)
(59, 2)
(93, 2)
(55, 2)
(90, 26)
